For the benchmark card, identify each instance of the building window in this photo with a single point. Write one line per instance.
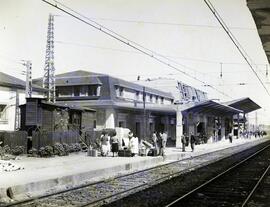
(137, 96)
(93, 90)
(121, 91)
(3, 114)
(151, 98)
(156, 99)
(95, 124)
(84, 91)
(76, 90)
(64, 91)
(162, 100)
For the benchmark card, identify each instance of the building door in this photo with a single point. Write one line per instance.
(138, 129)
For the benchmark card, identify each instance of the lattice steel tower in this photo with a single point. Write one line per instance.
(49, 70)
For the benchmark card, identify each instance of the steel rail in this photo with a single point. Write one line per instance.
(255, 187)
(216, 177)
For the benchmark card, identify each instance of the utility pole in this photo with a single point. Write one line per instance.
(28, 82)
(49, 70)
(144, 114)
(17, 111)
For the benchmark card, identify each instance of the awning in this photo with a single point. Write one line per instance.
(212, 108)
(244, 104)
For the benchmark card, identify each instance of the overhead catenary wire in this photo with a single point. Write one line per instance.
(136, 21)
(129, 43)
(79, 44)
(235, 41)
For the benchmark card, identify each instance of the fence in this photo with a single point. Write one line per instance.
(42, 139)
(13, 138)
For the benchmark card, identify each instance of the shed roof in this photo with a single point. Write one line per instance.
(71, 107)
(62, 105)
(213, 108)
(244, 104)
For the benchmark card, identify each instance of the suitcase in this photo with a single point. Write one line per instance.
(124, 153)
(152, 152)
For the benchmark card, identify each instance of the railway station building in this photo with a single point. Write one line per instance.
(118, 103)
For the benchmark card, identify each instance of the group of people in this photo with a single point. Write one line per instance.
(109, 144)
(184, 141)
(249, 134)
(159, 142)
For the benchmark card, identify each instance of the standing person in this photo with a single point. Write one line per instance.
(183, 140)
(192, 141)
(155, 141)
(230, 137)
(105, 144)
(133, 144)
(163, 137)
(114, 143)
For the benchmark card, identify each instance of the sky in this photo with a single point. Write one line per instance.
(183, 30)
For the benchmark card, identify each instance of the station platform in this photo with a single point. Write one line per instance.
(47, 175)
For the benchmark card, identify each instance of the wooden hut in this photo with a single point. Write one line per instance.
(38, 114)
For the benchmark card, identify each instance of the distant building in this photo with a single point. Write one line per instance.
(180, 91)
(118, 103)
(12, 94)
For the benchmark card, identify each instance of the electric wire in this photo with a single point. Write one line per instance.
(176, 57)
(235, 41)
(124, 40)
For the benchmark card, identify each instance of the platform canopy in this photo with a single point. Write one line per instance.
(244, 104)
(260, 10)
(213, 108)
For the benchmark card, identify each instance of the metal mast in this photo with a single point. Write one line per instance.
(48, 78)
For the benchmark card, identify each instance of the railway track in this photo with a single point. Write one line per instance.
(233, 187)
(97, 194)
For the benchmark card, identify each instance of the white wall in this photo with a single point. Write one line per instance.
(8, 97)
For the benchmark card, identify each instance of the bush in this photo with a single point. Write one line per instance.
(18, 150)
(59, 149)
(33, 152)
(7, 149)
(66, 148)
(46, 151)
(77, 147)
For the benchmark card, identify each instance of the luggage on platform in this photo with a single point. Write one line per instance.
(124, 153)
(152, 152)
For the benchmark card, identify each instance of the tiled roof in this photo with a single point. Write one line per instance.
(81, 77)
(13, 82)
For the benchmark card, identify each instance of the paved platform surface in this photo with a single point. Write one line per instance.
(42, 174)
